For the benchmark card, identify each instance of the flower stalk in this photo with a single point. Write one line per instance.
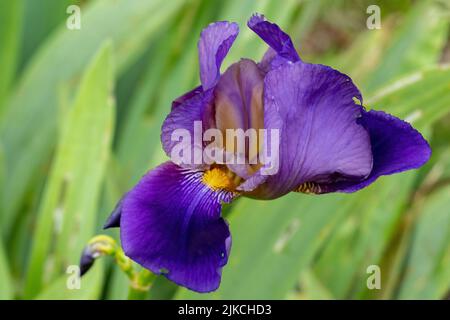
(103, 245)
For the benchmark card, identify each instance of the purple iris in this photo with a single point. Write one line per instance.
(171, 220)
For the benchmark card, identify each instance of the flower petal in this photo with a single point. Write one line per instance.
(215, 41)
(320, 139)
(171, 224)
(271, 60)
(113, 220)
(238, 104)
(238, 97)
(184, 116)
(396, 147)
(187, 96)
(276, 38)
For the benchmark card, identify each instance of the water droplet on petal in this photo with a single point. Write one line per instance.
(163, 271)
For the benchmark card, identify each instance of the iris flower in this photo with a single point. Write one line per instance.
(170, 222)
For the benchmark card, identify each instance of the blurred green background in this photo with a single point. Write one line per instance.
(80, 117)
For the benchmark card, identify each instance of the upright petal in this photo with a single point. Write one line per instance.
(215, 41)
(183, 116)
(239, 105)
(271, 60)
(276, 38)
(396, 147)
(320, 138)
(171, 224)
(239, 97)
(187, 96)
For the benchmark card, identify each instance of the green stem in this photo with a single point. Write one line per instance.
(137, 293)
(140, 281)
(140, 285)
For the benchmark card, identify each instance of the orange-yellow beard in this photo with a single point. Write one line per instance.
(221, 178)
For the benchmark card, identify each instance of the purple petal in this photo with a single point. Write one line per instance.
(252, 183)
(171, 224)
(187, 96)
(239, 105)
(396, 147)
(215, 41)
(271, 60)
(238, 97)
(183, 116)
(113, 220)
(320, 139)
(274, 37)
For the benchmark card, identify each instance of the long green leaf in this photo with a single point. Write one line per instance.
(6, 289)
(10, 17)
(61, 60)
(427, 274)
(360, 238)
(417, 44)
(421, 97)
(90, 286)
(41, 19)
(67, 214)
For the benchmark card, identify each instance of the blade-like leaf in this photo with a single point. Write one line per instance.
(417, 44)
(65, 287)
(422, 97)
(67, 214)
(11, 18)
(41, 18)
(6, 290)
(61, 60)
(360, 238)
(427, 274)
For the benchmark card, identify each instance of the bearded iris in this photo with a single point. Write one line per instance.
(170, 222)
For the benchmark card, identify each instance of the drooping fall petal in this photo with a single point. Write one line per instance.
(171, 224)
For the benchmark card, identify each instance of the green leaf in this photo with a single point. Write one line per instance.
(363, 56)
(312, 288)
(61, 60)
(421, 98)
(361, 236)
(41, 19)
(11, 17)
(418, 43)
(6, 290)
(427, 274)
(63, 289)
(67, 215)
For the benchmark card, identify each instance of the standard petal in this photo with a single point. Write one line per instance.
(215, 41)
(239, 97)
(187, 96)
(396, 147)
(271, 60)
(183, 117)
(312, 106)
(276, 38)
(171, 224)
(238, 104)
